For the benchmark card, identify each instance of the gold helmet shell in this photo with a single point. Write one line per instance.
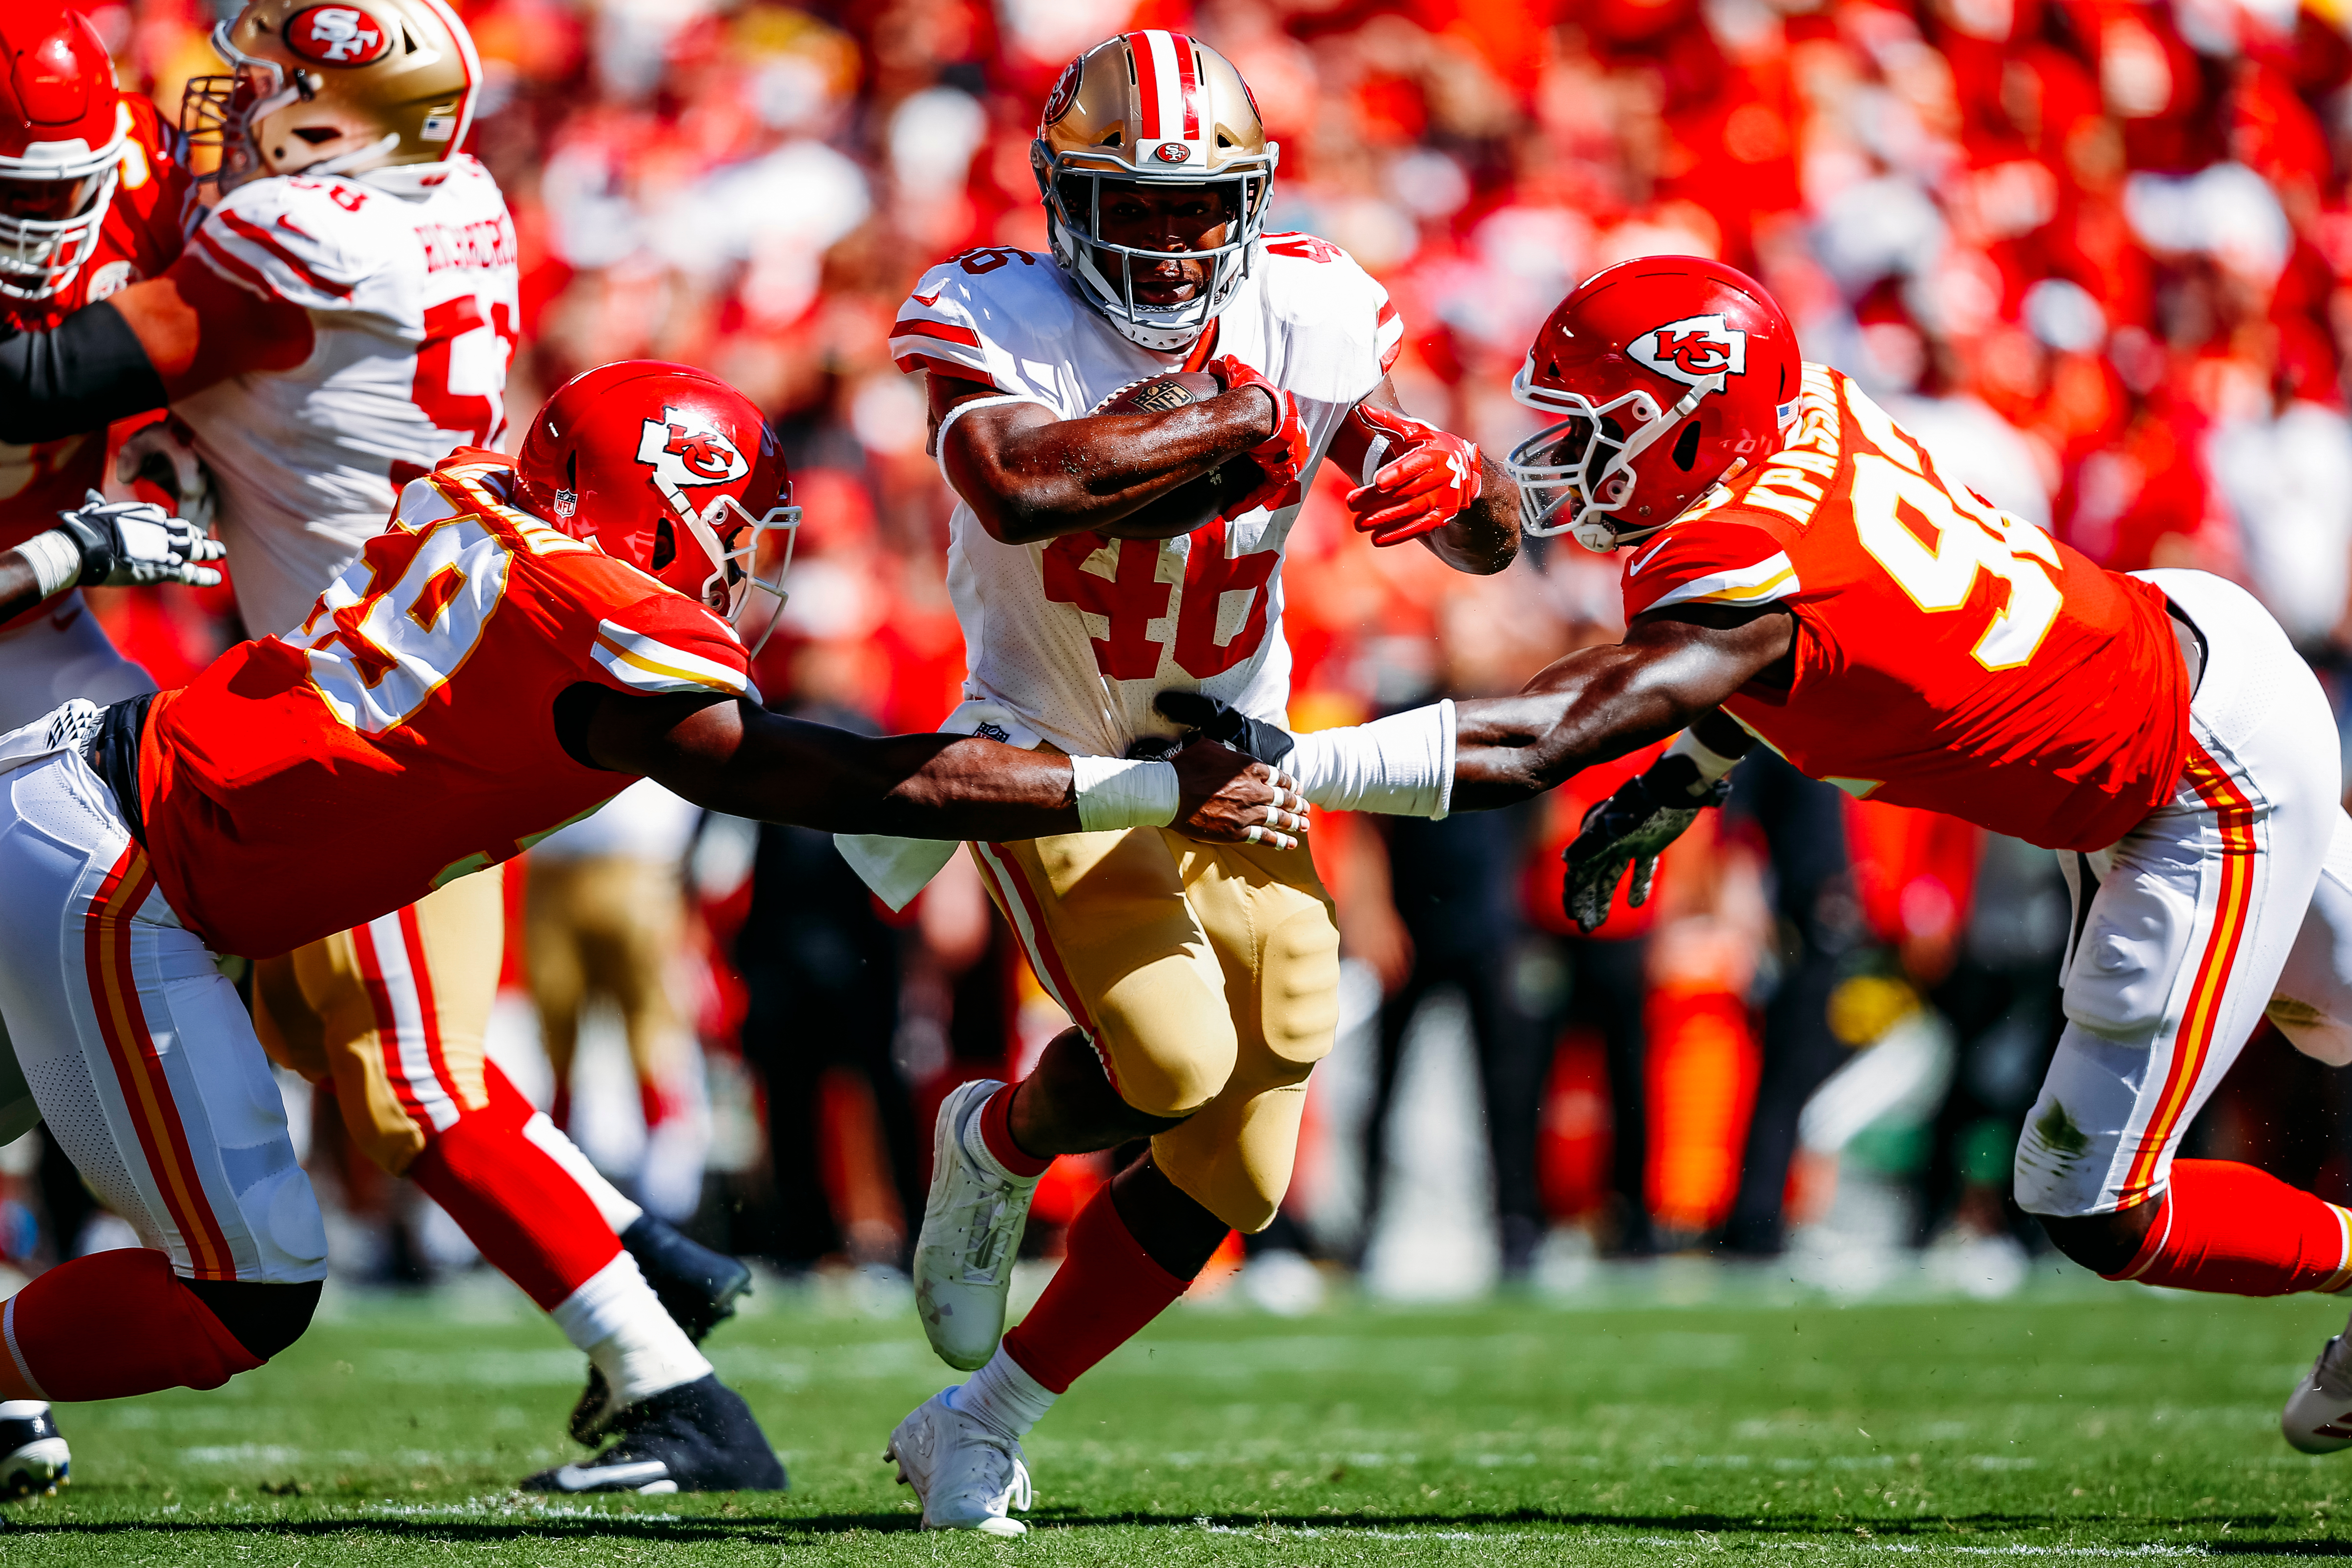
(334, 88)
(1151, 107)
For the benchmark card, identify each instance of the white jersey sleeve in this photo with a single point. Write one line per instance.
(312, 243)
(990, 317)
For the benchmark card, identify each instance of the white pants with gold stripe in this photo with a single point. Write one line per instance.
(138, 1052)
(2183, 930)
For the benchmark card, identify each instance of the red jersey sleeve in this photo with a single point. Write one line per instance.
(665, 643)
(1712, 560)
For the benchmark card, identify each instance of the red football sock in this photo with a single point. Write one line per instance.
(112, 1324)
(513, 1201)
(2228, 1227)
(1105, 1290)
(996, 1133)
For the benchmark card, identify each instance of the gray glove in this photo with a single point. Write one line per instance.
(137, 544)
(165, 455)
(1632, 827)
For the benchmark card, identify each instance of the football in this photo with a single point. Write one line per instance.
(1193, 505)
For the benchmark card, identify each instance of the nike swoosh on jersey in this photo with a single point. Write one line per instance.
(1634, 569)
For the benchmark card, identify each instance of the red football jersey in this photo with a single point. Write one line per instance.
(1947, 654)
(404, 734)
(140, 239)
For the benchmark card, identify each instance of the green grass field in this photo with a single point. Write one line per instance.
(2080, 1422)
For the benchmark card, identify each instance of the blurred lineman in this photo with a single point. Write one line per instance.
(339, 322)
(1823, 591)
(524, 639)
(1097, 562)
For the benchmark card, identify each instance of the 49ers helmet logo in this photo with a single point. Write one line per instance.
(1696, 351)
(1065, 94)
(336, 35)
(683, 448)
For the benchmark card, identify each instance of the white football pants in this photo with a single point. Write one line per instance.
(2184, 929)
(138, 1052)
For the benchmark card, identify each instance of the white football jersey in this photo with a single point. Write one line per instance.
(410, 279)
(1070, 640)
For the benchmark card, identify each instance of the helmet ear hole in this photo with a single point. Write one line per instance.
(664, 544)
(1686, 447)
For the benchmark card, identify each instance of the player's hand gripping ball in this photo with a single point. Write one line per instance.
(1632, 827)
(1427, 477)
(1282, 457)
(138, 544)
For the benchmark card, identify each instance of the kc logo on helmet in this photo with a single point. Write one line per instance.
(336, 35)
(683, 449)
(1695, 349)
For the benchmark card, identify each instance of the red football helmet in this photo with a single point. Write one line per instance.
(619, 455)
(61, 127)
(1674, 372)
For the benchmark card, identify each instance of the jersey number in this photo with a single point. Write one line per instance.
(479, 416)
(1134, 596)
(391, 645)
(1969, 539)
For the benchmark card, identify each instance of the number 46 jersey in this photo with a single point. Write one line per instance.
(1070, 640)
(1947, 654)
(409, 276)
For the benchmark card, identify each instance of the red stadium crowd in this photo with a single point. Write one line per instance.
(2098, 253)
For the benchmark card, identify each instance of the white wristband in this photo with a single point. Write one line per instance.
(56, 560)
(1711, 763)
(1402, 765)
(1116, 793)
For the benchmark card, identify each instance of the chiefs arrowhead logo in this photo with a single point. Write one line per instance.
(682, 449)
(1696, 351)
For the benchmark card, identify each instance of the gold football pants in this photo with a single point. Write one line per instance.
(1207, 978)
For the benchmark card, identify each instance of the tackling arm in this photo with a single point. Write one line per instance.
(731, 755)
(1028, 476)
(150, 344)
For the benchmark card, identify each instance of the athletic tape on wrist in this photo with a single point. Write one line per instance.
(1114, 792)
(56, 560)
(1711, 763)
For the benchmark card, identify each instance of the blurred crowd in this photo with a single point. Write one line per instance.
(2095, 252)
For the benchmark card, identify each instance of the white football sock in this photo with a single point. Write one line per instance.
(1003, 1396)
(618, 1212)
(615, 1317)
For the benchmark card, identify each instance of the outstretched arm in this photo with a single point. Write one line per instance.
(104, 543)
(733, 757)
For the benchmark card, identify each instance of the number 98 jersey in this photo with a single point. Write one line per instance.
(409, 276)
(1947, 654)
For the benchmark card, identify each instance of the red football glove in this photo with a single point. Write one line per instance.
(1281, 455)
(1431, 476)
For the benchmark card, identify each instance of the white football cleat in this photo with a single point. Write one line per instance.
(2318, 1414)
(972, 1222)
(967, 1472)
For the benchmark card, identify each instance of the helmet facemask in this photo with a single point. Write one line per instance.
(735, 579)
(224, 113)
(40, 255)
(1242, 182)
(1583, 464)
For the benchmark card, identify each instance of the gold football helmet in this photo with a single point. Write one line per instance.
(1161, 109)
(333, 88)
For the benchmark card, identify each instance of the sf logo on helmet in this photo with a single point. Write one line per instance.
(335, 34)
(683, 449)
(1696, 351)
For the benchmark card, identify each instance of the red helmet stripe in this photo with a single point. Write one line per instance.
(1188, 83)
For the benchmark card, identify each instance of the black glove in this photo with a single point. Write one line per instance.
(1632, 827)
(137, 544)
(1216, 719)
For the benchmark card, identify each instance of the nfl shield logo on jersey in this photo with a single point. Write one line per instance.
(1694, 351)
(683, 448)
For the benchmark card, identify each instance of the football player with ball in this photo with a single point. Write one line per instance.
(1129, 424)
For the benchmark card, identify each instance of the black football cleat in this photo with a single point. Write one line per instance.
(697, 1437)
(34, 1459)
(699, 1288)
